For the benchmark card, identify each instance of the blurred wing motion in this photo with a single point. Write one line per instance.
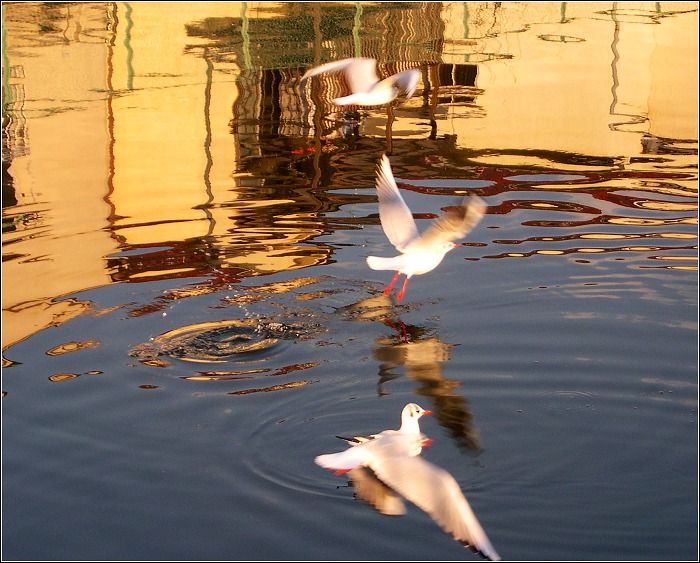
(365, 85)
(397, 219)
(403, 82)
(456, 223)
(406, 81)
(361, 73)
(434, 490)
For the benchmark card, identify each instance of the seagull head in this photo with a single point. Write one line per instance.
(446, 246)
(409, 418)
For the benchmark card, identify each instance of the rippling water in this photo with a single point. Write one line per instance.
(188, 317)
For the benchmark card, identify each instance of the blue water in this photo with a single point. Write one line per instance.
(177, 416)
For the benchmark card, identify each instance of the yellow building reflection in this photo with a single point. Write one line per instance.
(151, 140)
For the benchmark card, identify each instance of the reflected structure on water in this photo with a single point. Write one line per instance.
(212, 160)
(418, 353)
(187, 307)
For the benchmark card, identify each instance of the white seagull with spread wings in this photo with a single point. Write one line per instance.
(420, 253)
(367, 88)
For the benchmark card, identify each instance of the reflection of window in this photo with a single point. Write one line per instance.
(15, 138)
(268, 103)
(456, 83)
(457, 74)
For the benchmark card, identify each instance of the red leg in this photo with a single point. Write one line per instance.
(387, 289)
(403, 290)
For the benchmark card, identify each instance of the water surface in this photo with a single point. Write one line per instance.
(188, 317)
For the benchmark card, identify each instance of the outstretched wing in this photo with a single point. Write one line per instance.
(454, 224)
(434, 490)
(344, 461)
(395, 216)
(360, 72)
(407, 81)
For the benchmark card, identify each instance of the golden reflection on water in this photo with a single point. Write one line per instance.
(151, 141)
(418, 354)
(280, 387)
(71, 347)
(251, 343)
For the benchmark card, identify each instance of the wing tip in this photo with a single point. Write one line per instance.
(384, 173)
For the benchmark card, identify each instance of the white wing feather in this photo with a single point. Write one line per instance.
(434, 490)
(453, 224)
(406, 81)
(395, 216)
(361, 73)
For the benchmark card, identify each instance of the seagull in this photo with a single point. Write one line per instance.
(419, 253)
(367, 88)
(388, 464)
(410, 415)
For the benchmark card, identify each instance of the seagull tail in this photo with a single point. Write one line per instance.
(380, 263)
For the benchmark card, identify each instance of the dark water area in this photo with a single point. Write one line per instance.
(189, 318)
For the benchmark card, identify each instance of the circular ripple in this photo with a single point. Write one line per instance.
(306, 426)
(218, 341)
(266, 453)
(566, 400)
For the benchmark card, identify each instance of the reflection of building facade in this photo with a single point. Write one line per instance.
(193, 167)
(55, 164)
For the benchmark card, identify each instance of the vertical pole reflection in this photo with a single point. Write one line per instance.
(628, 118)
(465, 22)
(207, 140)
(318, 124)
(245, 34)
(112, 14)
(613, 64)
(356, 29)
(6, 90)
(129, 49)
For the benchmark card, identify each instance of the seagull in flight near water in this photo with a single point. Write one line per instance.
(419, 253)
(367, 88)
(386, 465)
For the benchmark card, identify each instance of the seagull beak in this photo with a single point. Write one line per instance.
(458, 244)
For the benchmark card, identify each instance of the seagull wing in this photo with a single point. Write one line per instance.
(407, 81)
(362, 450)
(434, 490)
(344, 461)
(360, 72)
(395, 216)
(356, 439)
(455, 223)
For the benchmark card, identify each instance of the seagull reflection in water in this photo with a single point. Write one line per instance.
(420, 354)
